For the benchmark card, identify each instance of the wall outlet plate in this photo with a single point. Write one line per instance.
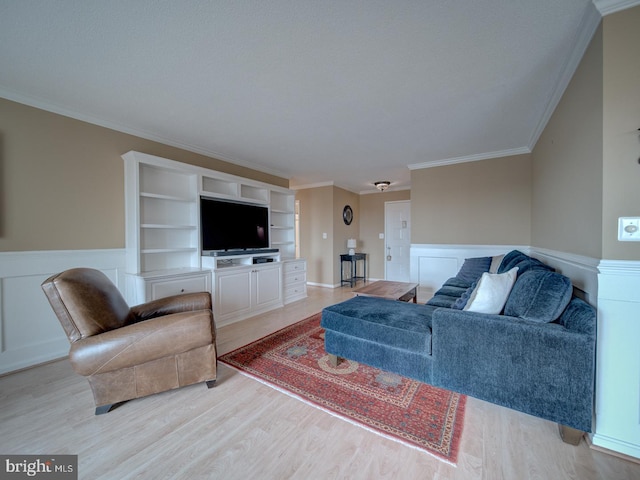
(629, 229)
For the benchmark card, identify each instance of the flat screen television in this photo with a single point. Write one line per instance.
(228, 226)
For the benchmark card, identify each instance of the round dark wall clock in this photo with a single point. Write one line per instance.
(347, 215)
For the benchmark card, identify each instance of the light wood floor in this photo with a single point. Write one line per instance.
(243, 429)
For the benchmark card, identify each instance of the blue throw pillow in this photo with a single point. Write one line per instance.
(516, 258)
(539, 295)
(473, 268)
(510, 260)
(461, 302)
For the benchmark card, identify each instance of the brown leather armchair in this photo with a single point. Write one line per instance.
(128, 353)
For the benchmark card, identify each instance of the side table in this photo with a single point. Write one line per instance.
(353, 260)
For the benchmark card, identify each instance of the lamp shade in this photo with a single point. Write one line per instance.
(351, 245)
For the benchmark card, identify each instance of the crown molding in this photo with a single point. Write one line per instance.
(606, 7)
(470, 158)
(65, 112)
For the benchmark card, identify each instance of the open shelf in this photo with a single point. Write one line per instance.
(163, 237)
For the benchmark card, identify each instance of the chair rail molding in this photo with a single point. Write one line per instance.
(30, 334)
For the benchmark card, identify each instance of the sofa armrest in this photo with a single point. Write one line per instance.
(186, 302)
(539, 368)
(142, 342)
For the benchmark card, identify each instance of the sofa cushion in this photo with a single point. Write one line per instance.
(445, 301)
(492, 292)
(456, 282)
(473, 268)
(462, 301)
(579, 317)
(516, 258)
(449, 293)
(539, 295)
(389, 322)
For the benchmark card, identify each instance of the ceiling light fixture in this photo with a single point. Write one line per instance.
(382, 186)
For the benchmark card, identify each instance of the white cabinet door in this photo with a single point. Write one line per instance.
(267, 288)
(233, 293)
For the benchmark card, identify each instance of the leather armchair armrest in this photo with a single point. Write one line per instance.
(142, 342)
(185, 302)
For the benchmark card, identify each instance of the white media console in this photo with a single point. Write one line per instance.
(163, 239)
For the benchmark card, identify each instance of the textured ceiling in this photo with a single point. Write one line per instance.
(348, 92)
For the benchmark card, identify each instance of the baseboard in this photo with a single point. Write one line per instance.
(613, 446)
(323, 285)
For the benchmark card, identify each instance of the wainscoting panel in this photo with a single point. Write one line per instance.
(431, 265)
(29, 330)
(618, 368)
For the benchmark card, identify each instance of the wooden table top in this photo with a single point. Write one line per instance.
(387, 289)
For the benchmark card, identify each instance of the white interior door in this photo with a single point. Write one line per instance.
(397, 234)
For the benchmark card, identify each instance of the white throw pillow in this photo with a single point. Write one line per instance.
(492, 292)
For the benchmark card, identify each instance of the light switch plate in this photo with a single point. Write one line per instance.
(629, 229)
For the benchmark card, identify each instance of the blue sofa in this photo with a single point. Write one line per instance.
(535, 355)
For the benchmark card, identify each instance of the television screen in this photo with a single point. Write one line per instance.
(229, 225)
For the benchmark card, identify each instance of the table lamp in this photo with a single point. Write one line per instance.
(351, 245)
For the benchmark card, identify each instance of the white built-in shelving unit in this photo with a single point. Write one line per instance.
(163, 239)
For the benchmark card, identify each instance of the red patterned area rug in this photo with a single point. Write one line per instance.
(293, 360)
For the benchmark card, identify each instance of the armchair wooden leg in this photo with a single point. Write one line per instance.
(211, 383)
(101, 410)
(570, 435)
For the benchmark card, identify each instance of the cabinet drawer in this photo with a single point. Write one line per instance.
(295, 292)
(176, 286)
(295, 277)
(291, 267)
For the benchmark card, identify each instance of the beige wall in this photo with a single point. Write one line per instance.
(372, 224)
(316, 218)
(621, 139)
(62, 180)
(321, 212)
(343, 232)
(477, 203)
(567, 165)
